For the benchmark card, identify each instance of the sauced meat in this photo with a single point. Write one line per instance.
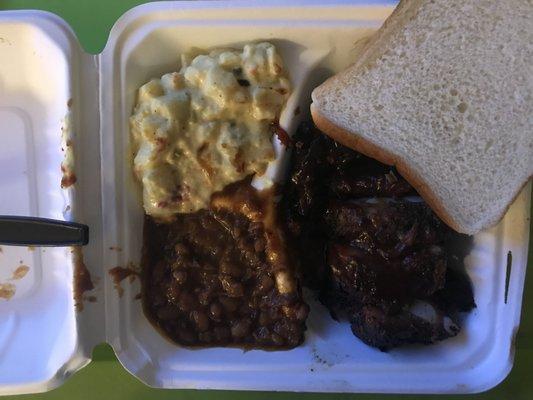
(384, 330)
(365, 278)
(370, 248)
(384, 183)
(217, 277)
(387, 228)
(322, 170)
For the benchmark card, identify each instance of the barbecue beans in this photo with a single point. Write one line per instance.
(209, 281)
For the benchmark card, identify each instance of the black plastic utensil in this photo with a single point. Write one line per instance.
(32, 231)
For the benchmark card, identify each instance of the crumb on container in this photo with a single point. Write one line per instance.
(118, 274)
(68, 175)
(82, 278)
(7, 291)
(20, 272)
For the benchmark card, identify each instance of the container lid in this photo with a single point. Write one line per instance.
(37, 307)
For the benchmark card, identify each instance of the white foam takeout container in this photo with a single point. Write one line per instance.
(43, 339)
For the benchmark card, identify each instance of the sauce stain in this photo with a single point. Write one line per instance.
(7, 290)
(20, 272)
(31, 248)
(118, 274)
(282, 134)
(68, 179)
(82, 278)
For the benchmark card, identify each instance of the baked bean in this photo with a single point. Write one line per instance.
(186, 301)
(204, 297)
(181, 249)
(173, 293)
(201, 320)
(215, 311)
(259, 245)
(180, 276)
(187, 335)
(231, 268)
(264, 319)
(264, 284)
(168, 312)
(262, 334)
(240, 328)
(229, 304)
(231, 287)
(222, 334)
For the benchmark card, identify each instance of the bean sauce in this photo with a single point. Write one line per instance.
(220, 276)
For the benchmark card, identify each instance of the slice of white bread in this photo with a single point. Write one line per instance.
(443, 91)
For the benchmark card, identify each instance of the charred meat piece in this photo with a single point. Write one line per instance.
(309, 168)
(375, 294)
(385, 182)
(219, 277)
(303, 202)
(371, 253)
(383, 330)
(456, 295)
(371, 279)
(322, 170)
(386, 227)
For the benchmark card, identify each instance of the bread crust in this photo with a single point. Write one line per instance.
(356, 142)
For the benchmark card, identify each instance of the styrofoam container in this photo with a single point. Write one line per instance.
(43, 339)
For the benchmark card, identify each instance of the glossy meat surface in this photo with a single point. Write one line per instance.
(370, 247)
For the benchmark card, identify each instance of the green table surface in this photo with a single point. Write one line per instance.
(105, 378)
